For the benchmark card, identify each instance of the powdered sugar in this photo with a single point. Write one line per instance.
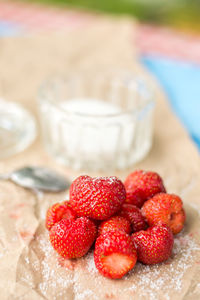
(55, 278)
(169, 275)
(90, 263)
(85, 295)
(43, 272)
(91, 107)
(151, 281)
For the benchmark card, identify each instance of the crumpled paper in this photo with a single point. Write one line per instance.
(29, 268)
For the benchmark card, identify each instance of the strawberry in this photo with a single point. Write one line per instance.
(141, 185)
(57, 212)
(98, 198)
(154, 245)
(114, 223)
(73, 238)
(167, 208)
(114, 254)
(133, 214)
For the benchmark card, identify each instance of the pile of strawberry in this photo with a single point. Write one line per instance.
(128, 222)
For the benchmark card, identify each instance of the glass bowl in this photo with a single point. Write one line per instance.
(14, 136)
(97, 121)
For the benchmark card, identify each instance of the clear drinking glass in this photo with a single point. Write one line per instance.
(17, 128)
(97, 122)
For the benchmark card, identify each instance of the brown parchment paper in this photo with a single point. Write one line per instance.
(29, 268)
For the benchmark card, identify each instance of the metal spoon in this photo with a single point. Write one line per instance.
(38, 179)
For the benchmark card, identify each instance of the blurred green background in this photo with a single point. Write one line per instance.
(183, 14)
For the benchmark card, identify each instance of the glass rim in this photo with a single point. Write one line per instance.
(149, 103)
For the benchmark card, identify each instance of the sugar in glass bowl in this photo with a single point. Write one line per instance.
(97, 121)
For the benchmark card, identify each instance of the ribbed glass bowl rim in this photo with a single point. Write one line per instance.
(149, 104)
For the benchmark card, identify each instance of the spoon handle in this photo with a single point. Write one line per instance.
(38, 198)
(39, 194)
(5, 176)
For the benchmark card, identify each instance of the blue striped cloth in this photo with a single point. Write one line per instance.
(181, 82)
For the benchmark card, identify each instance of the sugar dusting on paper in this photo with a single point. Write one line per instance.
(163, 277)
(171, 277)
(59, 278)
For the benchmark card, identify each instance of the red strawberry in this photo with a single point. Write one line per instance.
(141, 185)
(98, 198)
(167, 208)
(114, 254)
(115, 223)
(57, 212)
(134, 215)
(154, 245)
(73, 238)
